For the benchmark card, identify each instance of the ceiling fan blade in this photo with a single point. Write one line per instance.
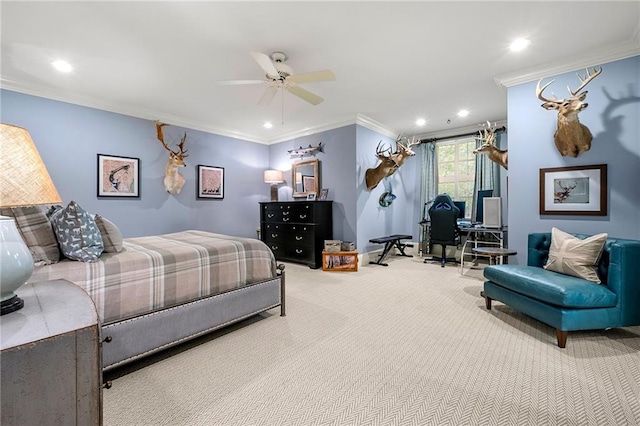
(305, 95)
(311, 77)
(268, 96)
(234, 82)
(265, 63)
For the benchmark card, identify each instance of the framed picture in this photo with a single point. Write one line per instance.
(579, 190)
(311, 196)
(210, 182)
(118, 176)
(308, 183)
(324, 193)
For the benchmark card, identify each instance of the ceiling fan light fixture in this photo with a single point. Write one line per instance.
(463, 113)
(267, 124)
(421, 122)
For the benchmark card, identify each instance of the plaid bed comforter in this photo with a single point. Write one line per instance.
(160, 271)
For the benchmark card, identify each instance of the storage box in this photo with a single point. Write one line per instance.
(332, 245)
(347, 246)
(340, 261)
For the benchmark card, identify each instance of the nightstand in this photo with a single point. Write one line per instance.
(50, 365)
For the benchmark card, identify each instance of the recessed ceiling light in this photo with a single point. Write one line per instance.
(463, 113)
(421, 122)
(519, 44)
(268, 125)
(62, 66)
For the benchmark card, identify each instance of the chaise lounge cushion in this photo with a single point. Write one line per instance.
(551, 287)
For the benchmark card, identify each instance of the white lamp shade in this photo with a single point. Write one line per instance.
(273, 176)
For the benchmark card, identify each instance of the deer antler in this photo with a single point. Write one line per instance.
(380, 153)
(182, 152)
(585, 80)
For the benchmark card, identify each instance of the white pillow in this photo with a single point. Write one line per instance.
(573, 256)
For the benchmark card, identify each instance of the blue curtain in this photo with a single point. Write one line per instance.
(429, 175)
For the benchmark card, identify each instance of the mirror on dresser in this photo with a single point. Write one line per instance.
(305, 178)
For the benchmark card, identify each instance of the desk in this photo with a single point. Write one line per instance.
(479, 236)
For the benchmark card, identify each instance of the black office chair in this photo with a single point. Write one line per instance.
(444, 226)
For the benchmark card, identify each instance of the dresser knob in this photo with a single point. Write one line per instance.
(270, 215)
(274, 247)
(274, 235)
(285, 219)
(285, 213)
(107, 385)
(298, 238)
(303, 216)
(298, 251)
(107, 339)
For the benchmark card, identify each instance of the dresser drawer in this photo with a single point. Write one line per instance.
(302, 235)
(299, 252)
(278, 249)
(302, 213)
(274, 232)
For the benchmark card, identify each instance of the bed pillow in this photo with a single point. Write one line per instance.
(574, 256)
(37, 233)
(78, 235)
(111, 236)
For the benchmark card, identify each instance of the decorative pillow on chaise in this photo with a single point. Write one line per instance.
(78, 235)
(574, 256)
(37, 233)
(111, 236)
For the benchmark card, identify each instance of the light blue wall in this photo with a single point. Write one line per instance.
(357, 214)
(613, 116)
(337, 172)
(69, 137)
(401, 217)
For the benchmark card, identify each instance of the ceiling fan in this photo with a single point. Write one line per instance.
(280, 76)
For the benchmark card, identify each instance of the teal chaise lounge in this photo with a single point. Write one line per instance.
(565, 302)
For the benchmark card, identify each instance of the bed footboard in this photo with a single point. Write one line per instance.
(134, 338)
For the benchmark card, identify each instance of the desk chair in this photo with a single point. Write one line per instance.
(444, 226)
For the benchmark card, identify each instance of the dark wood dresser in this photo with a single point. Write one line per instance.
(295, 230)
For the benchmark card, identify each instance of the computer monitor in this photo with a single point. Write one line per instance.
(480, 203)
(461, 205)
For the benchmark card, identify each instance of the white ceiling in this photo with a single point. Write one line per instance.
(394, 61)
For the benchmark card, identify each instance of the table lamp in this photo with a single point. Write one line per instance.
(24, 181)
(274, 177)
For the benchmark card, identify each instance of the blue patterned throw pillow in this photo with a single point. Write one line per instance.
(77, 233)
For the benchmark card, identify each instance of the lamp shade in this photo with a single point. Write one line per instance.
(273, 176)
(24, 179)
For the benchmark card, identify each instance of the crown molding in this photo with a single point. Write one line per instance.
(592, 58)
(376, 126)
(124, 109)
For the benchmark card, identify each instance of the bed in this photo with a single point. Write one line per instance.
(162, 290)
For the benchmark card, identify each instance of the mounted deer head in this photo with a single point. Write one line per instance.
(488, 147)
(173, 181)
(571, 137)
(389, 162)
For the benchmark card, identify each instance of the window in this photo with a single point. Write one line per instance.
(456, 170)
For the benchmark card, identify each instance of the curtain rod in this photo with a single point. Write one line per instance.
(499, 129)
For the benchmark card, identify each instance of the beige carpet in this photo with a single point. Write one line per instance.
(409, 344)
